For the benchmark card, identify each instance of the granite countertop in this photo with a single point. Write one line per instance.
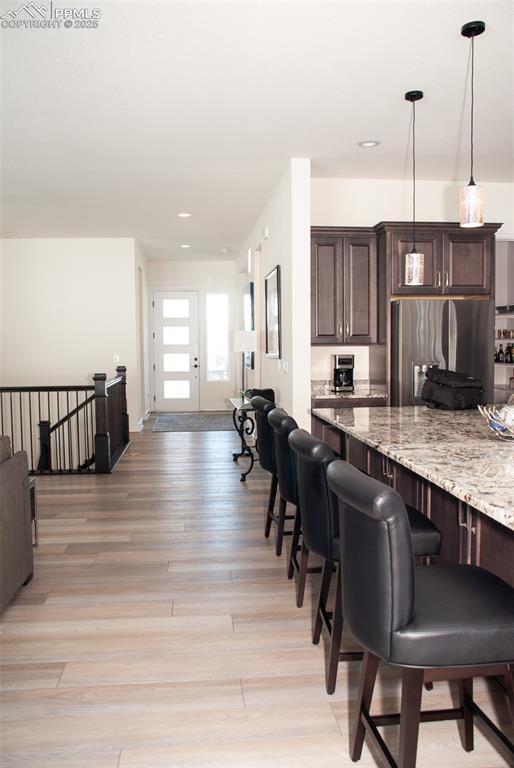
(454, 450)
(321, 389)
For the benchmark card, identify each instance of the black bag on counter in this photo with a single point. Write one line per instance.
(451, 390)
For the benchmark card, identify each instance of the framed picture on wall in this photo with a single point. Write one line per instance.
(272, 312)
(249, 321)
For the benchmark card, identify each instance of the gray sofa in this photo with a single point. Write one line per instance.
(16, 557)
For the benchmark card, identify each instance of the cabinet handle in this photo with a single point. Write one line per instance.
(465, 520)
(437, 279)
(340, 328)
(347, 329)
(446, 280)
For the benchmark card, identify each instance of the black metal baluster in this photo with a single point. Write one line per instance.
(77, 418)
(13, 444)
(1, 414)
(20, 403)
(31, 430)
(86, 431)
(70, 456)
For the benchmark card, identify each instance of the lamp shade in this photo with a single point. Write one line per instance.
(245, 341)
(471, 206)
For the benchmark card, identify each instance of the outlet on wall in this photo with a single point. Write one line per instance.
(116, 358)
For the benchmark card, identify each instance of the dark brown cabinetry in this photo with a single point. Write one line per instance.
(344, 295)
(457, 261)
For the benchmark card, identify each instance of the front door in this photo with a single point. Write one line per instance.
(175, 338)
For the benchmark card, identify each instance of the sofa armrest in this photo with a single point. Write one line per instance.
(16, 556)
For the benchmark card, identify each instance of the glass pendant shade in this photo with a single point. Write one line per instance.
(414, 268)
(471, 206)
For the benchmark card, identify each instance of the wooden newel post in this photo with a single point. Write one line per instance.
(121, 370)
(102, 437)
(45, 451)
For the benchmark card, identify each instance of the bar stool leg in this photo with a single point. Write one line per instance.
(302, 575)
(466, 724)
(335, 638)
(326, 579)
(294, 543)
(412, 688)
(508, 679)
(367, 683)
(271, 505)
(280, 526)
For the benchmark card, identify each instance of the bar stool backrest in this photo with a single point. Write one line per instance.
(282, 425)
(377, 560)
(262, 407)
(318, 505)
(267, 394)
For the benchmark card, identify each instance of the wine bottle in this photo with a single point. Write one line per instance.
(501, 354)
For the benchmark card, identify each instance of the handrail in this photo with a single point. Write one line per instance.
(51, 388)
(77, 428)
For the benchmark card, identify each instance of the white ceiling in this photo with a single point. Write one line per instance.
(172, 106)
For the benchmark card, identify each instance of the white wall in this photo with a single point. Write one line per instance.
(67, 306)
(204, 277)
(282, 233)
(365, 202)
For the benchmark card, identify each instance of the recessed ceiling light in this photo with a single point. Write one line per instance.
(185, 245)
(368, 144)
(184, 215)
(224, 250)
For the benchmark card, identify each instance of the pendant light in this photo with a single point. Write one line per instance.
(471, 197)
(414, 261)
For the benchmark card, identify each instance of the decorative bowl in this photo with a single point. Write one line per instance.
(499, 420)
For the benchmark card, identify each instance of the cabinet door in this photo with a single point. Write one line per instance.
(360, 290)
(430, 244)
(326, 290)
(467, 263)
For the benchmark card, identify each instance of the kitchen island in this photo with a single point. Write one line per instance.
(448, 465)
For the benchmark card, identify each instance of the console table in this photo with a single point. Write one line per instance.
(244, 426)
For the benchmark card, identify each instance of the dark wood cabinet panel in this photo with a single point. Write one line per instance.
(356, 453)
(430, 244)
(443, 510)
(467, 263)
(360, 290)
(496, 543)
(344, 286)
(326, 290)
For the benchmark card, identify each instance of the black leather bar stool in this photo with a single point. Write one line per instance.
(437, 623)
(320, 526)
(262, 407)
(281, 425)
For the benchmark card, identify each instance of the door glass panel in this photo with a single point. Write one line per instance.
(176, 389)
(175, 334)
(175, 363)
(175, 308)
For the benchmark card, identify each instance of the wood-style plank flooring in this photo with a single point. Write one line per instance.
(160, 631)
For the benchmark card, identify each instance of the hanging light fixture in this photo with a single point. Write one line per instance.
(472, 197)
(414, 261)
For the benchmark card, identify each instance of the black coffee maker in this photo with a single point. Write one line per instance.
(343, 373)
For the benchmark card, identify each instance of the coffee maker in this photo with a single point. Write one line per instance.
(343, 373)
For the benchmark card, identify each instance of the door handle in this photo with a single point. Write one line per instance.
(446, 280)
(437, 279)
(347, 329)
(340, 328)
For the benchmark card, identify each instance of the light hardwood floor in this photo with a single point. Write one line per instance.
(160, 631)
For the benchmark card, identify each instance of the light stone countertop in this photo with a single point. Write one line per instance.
(455, 450)
(321, 389)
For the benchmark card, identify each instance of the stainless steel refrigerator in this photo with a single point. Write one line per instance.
(457, 335)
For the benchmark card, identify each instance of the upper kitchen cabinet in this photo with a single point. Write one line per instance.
(457, 261)
(344, 294)
(468, 262)
(326, 289)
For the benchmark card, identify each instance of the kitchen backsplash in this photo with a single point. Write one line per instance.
(369, 361)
